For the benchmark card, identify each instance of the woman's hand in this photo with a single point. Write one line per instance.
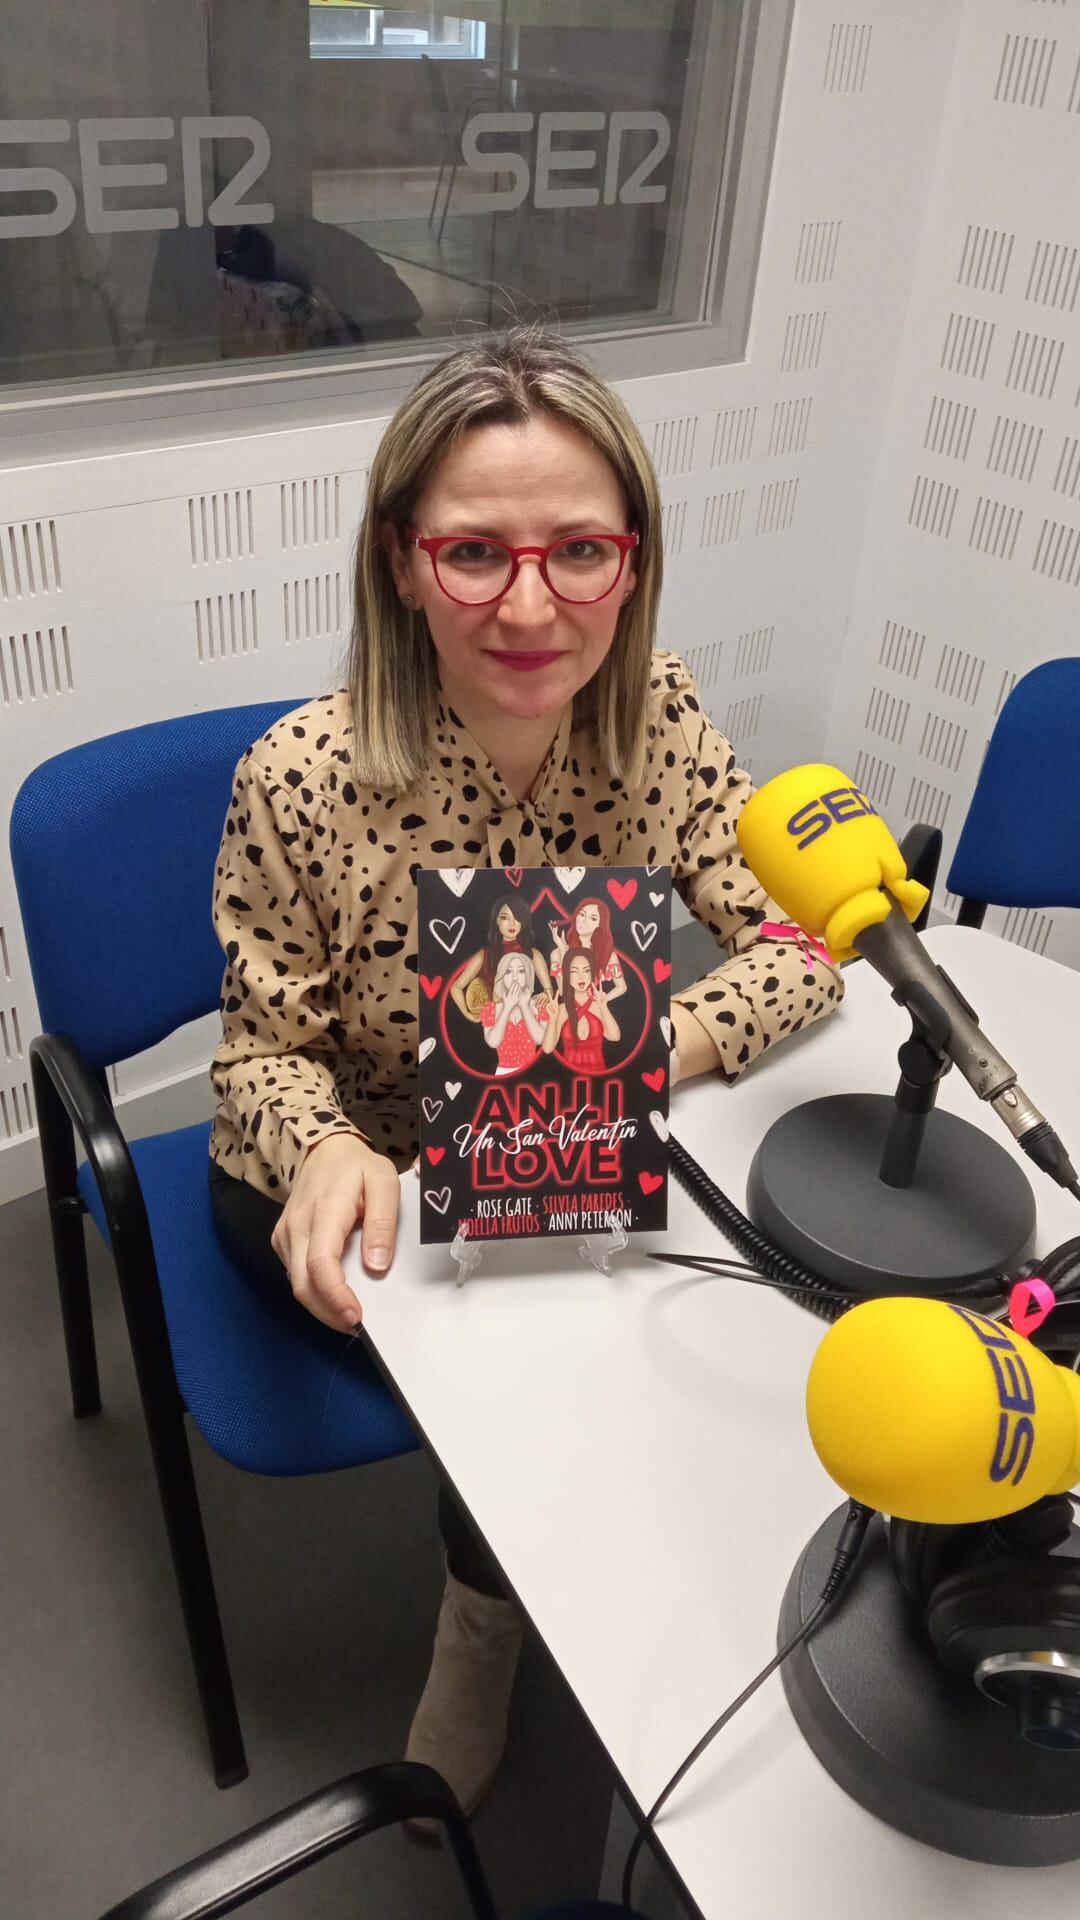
(342, 1181)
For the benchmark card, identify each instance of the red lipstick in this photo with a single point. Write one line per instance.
(524, 662)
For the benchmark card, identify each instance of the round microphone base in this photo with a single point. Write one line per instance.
(926, 1753)
(815, 1189)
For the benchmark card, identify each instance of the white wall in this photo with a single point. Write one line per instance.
(766, 468)
(970, 568)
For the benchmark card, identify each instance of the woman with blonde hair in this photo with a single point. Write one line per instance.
(514, 1025)
(504, 707)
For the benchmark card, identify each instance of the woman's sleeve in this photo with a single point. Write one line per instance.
(767, 988)
(280, 1018)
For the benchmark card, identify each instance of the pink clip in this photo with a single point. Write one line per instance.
(1029, 1304)
(786, 930)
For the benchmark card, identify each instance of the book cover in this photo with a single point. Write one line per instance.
(545, 1036)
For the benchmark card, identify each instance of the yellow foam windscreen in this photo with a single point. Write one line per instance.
(824, 854)
(929, 1412)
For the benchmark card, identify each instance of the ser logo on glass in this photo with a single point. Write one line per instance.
(100, 177)
(556, 165)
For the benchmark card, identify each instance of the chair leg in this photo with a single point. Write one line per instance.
(69, 1244)
(163, 1410)
(195, 1580)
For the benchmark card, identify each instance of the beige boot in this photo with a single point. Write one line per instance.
(459, 1728)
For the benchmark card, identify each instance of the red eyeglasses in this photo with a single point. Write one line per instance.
(476, 571)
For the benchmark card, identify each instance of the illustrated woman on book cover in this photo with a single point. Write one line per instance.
(590, 932)
(584, 1019)
(515, 1018)
(510, 930)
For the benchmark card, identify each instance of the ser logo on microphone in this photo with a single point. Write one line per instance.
(832, 809)
(1015, 1397)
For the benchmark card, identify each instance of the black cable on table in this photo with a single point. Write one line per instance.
(852, 1534)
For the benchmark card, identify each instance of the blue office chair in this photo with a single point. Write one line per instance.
(231, 1875)
(114, 845)
(1020, 843)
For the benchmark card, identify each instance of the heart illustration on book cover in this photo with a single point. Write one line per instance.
(544, 1012)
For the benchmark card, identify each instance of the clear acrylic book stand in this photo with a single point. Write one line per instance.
(598, 1249)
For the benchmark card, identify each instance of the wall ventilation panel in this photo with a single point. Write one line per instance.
(901, 650)
(847, 57)
(29, 560)
(943, 742)
(312, 608)
(960, 675)
(310, 511)
(887, 715)
(874, 777)
(995, 528)
(753, 652)
(704, 663)
(721, 518)
(790, 427)
(1014, 448)
(815, 259)
(1067, 476)
(984, 261)
(1008, 682)
(1034, 364)
(221, 527)
(804, 337)
(776, 506)
(966, 350)
(933, 505)
(1054, 278)
(226, 626)
(11, 1046)
(927, 805)
(948, 428)
(672, 445)
(674, 527)
(35, 666)
(1027, 61)
(743, 719)
(1057, 555)
(16, 1110)
(733, 436)
(1027, 928)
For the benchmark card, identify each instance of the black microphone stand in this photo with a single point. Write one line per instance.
(889, 1194)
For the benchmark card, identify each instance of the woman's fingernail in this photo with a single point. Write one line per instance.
(349, 1317)
(378, 1258)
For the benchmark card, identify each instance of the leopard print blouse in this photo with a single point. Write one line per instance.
(315, 906)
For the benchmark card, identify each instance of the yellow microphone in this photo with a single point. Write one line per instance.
(824, 854)
(822, 851)
(929, 1412)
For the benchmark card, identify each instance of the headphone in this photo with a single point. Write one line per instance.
(1000, 1604)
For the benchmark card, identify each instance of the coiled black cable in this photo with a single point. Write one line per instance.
(811, 1290)
(815, 1294)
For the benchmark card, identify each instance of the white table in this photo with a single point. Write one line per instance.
(634, 1451)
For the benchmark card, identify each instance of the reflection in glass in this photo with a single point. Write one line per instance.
(191, 182)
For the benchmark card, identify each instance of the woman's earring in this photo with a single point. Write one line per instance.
(408, 601)
(627, 596)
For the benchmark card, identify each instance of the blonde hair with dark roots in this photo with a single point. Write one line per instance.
(392, 668)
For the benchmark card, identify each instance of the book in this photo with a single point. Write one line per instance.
(545, 1039)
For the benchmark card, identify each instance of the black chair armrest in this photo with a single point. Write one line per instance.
(921, 848)
(262, 1857)
(56, 1058)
